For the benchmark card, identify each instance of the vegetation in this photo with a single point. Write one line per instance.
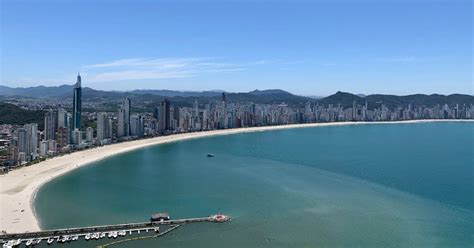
(11, 114)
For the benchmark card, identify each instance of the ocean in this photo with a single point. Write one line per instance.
(378, 185)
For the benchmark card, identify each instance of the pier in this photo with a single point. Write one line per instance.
(97, 232)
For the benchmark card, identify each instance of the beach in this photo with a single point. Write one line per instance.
(18, 187)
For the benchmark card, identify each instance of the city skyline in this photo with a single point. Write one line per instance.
(358, 47)
(63, 133)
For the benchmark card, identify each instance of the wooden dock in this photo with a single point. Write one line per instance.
(129, 227)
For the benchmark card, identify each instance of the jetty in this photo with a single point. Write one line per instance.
(98, 232)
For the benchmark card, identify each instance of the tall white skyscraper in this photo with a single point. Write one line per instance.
(121, 123)
(32, 139)
(62, 118)
(23, 145)
(103, 126)
(89, 134)
(136, 125)
(49, 125)
(123, 119)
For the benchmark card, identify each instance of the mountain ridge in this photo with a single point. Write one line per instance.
(268, 96)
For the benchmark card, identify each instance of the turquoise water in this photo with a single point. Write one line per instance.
(404, 185)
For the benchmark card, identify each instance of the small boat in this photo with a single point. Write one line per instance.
(102, 235)
(110, 235)
(50, 241)
(36, 241)
(210, 155)
(29, 242)
(122, 233)
(65, 239)
(157, 229)
(88, 236)
(74, 238)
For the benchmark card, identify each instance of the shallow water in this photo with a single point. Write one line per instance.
(403, 185)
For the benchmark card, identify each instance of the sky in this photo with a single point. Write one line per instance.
(305, 47)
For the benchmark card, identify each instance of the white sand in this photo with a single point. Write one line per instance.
(18, 187)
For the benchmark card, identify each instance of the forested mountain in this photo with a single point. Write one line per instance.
(147, 99)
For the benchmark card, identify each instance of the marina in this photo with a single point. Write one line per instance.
(100, 232)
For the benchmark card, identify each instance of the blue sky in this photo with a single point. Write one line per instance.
(305, 47)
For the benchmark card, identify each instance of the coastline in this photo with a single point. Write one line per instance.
(19, 187)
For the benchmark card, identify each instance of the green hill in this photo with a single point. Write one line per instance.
(11, 114)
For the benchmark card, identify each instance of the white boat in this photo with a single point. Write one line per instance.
(36, 241)
(64, 239)
(88, 236)
(17, 242)
(114, 235)
(138, 231)
(102, 235)
(97, 235)
(157, 229)
(29, 242)
(74, 238)
(50, 241)
(6, 245)
(122, 233)
(109, 235)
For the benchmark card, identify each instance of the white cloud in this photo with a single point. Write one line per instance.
(156, 68)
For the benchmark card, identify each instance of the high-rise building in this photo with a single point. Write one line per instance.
(126, 108)
(63, 137)
(103, 126)
(77, 104)
(43, 148)
(76, 137)
(49, 125)
(32, 139)
(23, 145)
(62, 118)
(123, 119)
(121, 123)
(89, 134)
(164, 124)
(136, 125)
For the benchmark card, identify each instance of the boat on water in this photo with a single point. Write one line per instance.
(29, 242)
(17, 242)
(50, 241)
(210, 155)
(88, 236)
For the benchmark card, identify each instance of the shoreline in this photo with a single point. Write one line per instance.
(19, 187)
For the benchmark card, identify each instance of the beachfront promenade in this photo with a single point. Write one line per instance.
(96, 232)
